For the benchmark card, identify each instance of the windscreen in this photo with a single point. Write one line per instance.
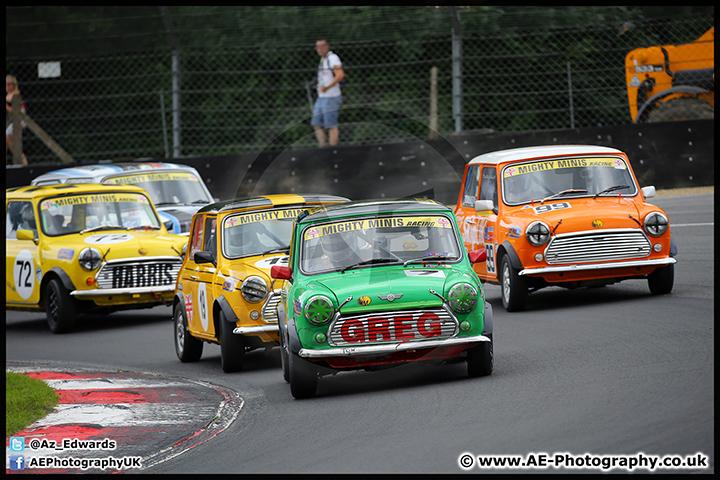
(167, 187)
(535, 181)
(75, 213)
(377, 241)
(257, 232)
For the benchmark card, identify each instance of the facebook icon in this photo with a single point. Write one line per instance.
(17, 462)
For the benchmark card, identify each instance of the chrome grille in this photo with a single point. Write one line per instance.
(597, 246)
(269, 309)
(381, 327)
(138, 273)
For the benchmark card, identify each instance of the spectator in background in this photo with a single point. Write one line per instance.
(11, 89)
(325, 112)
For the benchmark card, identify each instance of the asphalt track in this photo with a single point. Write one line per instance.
(609, 371)
(138, 419)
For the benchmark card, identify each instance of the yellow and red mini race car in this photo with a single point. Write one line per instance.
(224, 292)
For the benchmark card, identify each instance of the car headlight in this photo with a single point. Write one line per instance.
(656, 224)
(254, 289)
(463, 297)
(537, 233)
(319, 309)
(89, 258)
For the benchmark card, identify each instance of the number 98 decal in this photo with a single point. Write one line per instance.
(24, 274)
(551, 206)
(490, 261)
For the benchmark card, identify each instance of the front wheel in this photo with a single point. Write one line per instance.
(480, 359)
(513, 287)
(187, 347)
(303, 377)
(285, 361)
(59, 307)
(661, 280)
(232, 347)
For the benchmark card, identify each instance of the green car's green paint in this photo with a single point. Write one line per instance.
(377, 283)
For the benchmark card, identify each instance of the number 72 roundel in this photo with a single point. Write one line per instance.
(24, 275)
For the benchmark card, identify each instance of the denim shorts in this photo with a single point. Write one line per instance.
(325, 112)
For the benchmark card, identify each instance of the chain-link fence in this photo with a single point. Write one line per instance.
(221, 80)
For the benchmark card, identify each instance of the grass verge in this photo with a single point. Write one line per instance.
(26, 400)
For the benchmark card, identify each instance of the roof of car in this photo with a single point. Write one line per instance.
(103, 170)
(33, 191)
(374, 207)
(528, 153)
(272, 200)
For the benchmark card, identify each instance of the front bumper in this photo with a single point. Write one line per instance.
(390, 347)
(597, 266)
(102, 292)
(255, 329)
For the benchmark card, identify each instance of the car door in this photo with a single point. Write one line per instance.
(478, 229)
(207, 271)
(23, 270)
(194, 278)
(487, 221)
(465, 209)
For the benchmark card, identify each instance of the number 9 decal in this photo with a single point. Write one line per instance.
(203, 306)
(24, 274)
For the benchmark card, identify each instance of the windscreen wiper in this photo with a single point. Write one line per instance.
(100, 227)
(276, 250)
(144, 227)
(429, 259)
(611, 189)
(569, 190)
(370, 262)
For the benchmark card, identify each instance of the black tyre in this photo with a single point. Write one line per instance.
(661, 280)
(59, 307)
(685, 108)
(480, 359)
(303, 377)
(285, 362)
(187, 347)
(232, 347)
(513, 287)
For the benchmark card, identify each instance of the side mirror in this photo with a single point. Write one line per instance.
(281, 272)
(203, 257)
(477, 256)
(23, 234)
(483, 205)
(649, 191)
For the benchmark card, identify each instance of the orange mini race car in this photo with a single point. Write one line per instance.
(569, 216)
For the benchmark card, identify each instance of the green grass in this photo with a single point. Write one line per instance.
(26, 400)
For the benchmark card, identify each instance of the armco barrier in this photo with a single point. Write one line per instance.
(667, 155)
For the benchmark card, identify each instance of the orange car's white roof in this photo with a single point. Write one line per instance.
(530, 153)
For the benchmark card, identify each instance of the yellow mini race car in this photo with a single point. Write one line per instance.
(224, 293)
(79, 248)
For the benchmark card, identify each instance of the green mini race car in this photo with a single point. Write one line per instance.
(379, 283)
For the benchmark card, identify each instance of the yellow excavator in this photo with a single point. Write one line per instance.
(672, 82)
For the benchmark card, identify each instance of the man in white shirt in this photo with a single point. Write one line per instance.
(325, 113)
